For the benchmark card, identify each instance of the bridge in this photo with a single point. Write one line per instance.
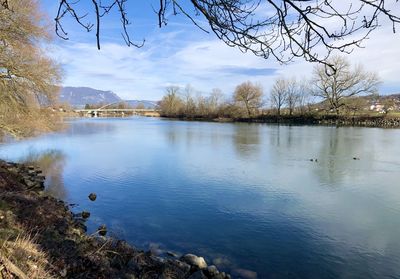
(104, 110)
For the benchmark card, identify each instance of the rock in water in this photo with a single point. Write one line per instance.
(85, 214)
(194, 260)
(92, 196)
(102, 230)
(211, 271)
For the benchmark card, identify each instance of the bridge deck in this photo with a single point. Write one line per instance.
(115, 110)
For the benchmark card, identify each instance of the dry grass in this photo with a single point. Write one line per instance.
(23, 258)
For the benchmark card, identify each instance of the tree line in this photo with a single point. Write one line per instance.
(333, 89)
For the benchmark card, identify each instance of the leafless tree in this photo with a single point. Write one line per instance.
(140, 106)
(202, 108)
(279, 94)
(305, 96)
(293, 94)
(28, 77)
(215, 101)
(250, 96)
(345, 81)
(171, 104)
(188, 101)
(283, 29)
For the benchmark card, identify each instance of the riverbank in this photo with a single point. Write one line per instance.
(383, 121)
(40, 237)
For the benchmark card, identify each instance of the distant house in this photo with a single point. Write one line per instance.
(377, 107)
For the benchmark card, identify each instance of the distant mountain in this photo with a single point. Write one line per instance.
(139, 103)
(80, 96)
(392, 96)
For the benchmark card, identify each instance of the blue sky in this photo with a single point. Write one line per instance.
(180, 54)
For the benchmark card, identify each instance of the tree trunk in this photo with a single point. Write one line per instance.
(248, 109)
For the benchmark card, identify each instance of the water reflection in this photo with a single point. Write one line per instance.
(246, 139)
(343, 153)
(84, 127)
(192, 134)
(171, 134)
(51, 162)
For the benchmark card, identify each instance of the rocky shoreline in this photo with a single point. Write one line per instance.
(25, 208)
(324, 120)
(332, 120)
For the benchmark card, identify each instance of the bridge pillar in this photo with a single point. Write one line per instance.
(93, 113)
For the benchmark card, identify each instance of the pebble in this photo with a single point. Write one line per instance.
(102, 230)
(194, 260)
(85, 214)
(211, 271)
(171, 254)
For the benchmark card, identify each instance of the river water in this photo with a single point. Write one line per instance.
(244, 196)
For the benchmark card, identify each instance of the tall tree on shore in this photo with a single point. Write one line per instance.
(249, 96)
(171, 104)
(293, 95)
(189, 101)
(305, 97)
(279, 94)
(334, 86)
(28, 78)
(215, 101)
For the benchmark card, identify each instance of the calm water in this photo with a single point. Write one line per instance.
(244, 196)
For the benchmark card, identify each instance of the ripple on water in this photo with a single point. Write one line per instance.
(244, 196)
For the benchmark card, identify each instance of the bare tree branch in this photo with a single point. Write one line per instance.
(68, 7)
(335, 86)
(283, 29)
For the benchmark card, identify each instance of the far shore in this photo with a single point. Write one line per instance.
(361, 120)
(384, 121)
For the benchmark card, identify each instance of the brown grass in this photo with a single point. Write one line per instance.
(23, 258)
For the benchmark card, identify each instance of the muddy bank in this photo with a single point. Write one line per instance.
(25, 209)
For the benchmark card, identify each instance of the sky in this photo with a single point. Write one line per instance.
(181, 54)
